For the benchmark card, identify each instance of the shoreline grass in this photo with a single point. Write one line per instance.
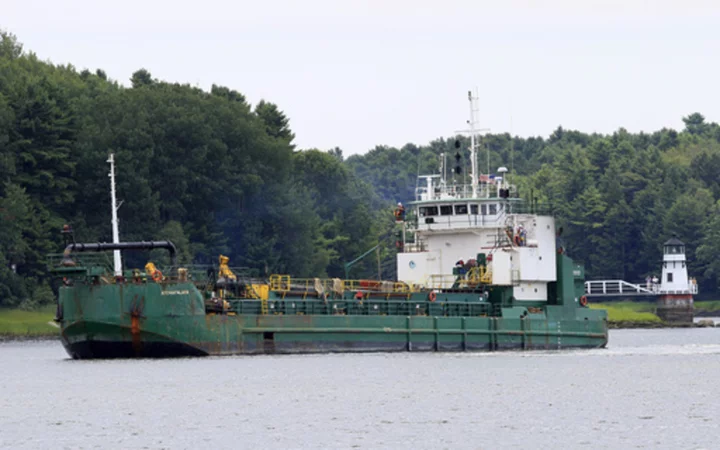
(629, 312)
(712, 306)
(27, 324)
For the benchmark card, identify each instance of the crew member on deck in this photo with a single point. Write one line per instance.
(460, 266)
(400, 213)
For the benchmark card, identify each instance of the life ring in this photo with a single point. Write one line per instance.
(432, 296)
(157, 276)
(583, 300)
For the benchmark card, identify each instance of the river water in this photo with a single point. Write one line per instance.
(649, 389)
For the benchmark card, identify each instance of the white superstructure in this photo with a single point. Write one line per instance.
(452, 223)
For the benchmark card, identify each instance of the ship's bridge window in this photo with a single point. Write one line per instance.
(446, 210)
(474, 209)
(461, 209)
(426, 211)
(483, 210)
(492, 209)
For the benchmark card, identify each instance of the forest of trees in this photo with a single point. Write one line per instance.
(215, 174)
(617, 197)
(206, 170)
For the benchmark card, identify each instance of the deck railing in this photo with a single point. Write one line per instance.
(472, 279)
(320, 286)
(458, 191)
(365, 307)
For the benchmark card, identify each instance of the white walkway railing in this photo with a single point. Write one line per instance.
(599, 288)
(618, 287)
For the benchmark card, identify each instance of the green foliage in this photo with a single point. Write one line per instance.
(217, 175)
(686, 218)
(629, 312)
(276, 123)
(708, 249)
(42, 295)
(141, 78)
(695, 124)
(10, 48)
(618, 197)
(17, 322)
(203, 169)
(708, 306)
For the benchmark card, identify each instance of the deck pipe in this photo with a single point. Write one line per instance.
(103, 246)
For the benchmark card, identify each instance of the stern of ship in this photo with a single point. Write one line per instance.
(122, 320)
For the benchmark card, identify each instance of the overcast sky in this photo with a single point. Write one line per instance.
(357, 74)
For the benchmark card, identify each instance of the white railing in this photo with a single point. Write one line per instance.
(617, 287)
(462, 221)
(457, 191)
(620, 287)
(692, 288)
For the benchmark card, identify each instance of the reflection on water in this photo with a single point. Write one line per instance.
(650, 388)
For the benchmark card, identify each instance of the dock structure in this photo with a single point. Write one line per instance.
(674, 290)
(614, 288)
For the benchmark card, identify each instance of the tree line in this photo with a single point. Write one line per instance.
(206, 170)
(617, 197)
(217, 175)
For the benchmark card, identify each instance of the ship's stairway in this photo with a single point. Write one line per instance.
(614, 288)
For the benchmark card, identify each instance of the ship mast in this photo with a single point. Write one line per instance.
(473, 150)
(115, 231)
(473, 132)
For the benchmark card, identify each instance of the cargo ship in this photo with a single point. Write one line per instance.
(478, 269)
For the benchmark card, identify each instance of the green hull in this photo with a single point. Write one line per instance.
(139, 320)
(85, 339)
(148, 319)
